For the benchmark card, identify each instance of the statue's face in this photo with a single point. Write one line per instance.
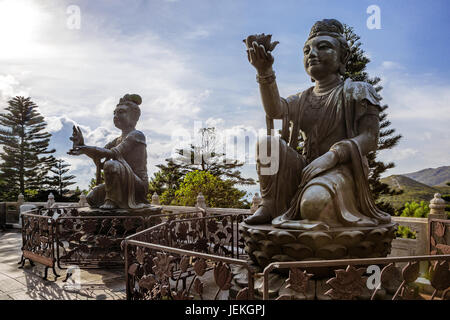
(122, 117)
(321, 57)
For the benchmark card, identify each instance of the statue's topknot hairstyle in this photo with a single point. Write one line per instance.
(132, 101)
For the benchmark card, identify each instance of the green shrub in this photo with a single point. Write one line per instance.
(405, 232)
(414, 209)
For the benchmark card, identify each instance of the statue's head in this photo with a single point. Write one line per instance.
(326, 50)
(127, 112)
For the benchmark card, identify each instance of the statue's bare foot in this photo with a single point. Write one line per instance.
(108, 205)
(261, 216)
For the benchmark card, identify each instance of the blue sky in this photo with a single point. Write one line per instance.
(187, 61)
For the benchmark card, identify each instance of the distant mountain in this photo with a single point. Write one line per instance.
(431, 177)
(412, 190)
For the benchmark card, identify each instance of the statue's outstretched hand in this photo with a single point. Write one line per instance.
(321, 164)
(259, 52)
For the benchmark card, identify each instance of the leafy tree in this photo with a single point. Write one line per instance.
(356, 67)
(26, 157)
(217, 192)
(206, 157)
(61, 180)
(405, 232)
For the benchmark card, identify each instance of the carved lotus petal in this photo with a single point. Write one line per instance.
(222, 276)
(184, 263)
(391, 277)
(163, 265)
(181, 295)
(440, 279)
(140, 255)
(147, 282)
(440, 229)
(243, 294)
(298, 280)
(198, 286)
(411, 272)
(445, 249)
(261, 39)
(347, 284)
(200, 267)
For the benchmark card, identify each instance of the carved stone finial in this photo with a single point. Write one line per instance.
(20, 199)
(256, 201)
(201, 202)
(51, 200)
(155, 199)
(83, 200)
(437, 207)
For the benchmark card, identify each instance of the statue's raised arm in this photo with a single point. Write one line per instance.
(259, 54)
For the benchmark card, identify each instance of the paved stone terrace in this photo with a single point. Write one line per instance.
(27, 283)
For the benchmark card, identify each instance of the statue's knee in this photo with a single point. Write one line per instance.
(267, 155)
(110, 166)
(314, 200)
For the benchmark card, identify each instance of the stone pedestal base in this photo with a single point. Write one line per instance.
(265, 244)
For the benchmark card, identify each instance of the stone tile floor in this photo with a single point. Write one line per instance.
(27, 283)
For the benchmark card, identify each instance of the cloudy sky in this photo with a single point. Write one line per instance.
(187, 61)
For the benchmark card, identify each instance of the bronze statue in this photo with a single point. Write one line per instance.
(326, 186)
(125, 164)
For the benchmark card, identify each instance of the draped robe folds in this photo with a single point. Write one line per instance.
(126, 180)
(347, 183)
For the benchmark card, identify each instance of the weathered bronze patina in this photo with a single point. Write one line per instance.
(326, 187)
(125, 161)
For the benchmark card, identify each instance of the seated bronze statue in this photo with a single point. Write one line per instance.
(327, 185)
(125, 164)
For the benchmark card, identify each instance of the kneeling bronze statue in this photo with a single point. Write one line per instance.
(125, 161)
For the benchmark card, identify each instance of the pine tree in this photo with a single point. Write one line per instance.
(356, 67)
(166, 181)
(205, 157)
(25, 144)
(61, 180)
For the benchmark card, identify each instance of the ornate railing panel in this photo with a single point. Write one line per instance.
(62, 237)
(358, 280)
(439, 231)
(187, 259)
(38, 241)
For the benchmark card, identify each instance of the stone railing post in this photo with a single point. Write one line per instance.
(437, 208)
(201, 202)
(155, 199)
(256, 201)
(83, 201)
(20, 201)
(51, 200)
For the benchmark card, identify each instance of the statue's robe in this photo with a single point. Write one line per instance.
(126, 180)
(336, 120)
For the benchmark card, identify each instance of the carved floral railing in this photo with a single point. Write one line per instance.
(439, 231)
(350, 280)
(186, 259)
(203, 258)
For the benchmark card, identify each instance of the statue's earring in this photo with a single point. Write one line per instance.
(312, 80)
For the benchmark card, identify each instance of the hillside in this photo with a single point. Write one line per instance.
(412, 190)
(431, 176)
